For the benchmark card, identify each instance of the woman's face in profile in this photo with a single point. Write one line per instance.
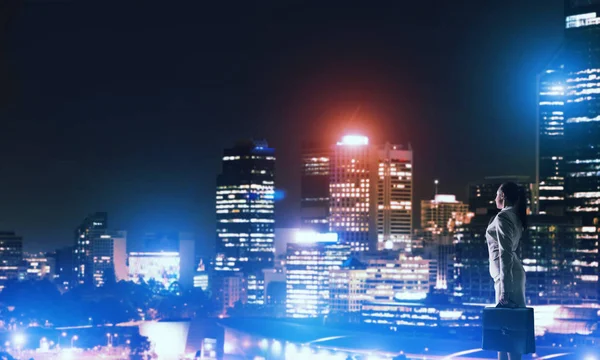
(499, 199)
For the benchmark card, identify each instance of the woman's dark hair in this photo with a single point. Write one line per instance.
(516, 195)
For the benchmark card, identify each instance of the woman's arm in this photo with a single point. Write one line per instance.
(505, 231)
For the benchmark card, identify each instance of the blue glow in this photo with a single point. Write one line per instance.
(279, 195)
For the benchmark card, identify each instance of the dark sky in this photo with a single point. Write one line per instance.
(126, 106)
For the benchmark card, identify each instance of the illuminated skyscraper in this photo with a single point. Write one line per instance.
(352, 203)
(394, 197)
(582, 109)
(245, 215)
(550, 167)
(310, 260)
(314, 191)
(370, 190)
(92, 229)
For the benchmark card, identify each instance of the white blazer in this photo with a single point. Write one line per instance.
(503, 235)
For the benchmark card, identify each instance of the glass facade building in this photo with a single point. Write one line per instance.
(91, 230)
(551, 122)
(582, 110)
(245, 207)
(309, 266)
(314, 186)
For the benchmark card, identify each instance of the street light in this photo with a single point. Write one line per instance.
(73, 339)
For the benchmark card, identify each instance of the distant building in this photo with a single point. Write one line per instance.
(120, 255)
(201, 280)
(442, 214)
(381, 280)
(245, 204)
(39, 266)
(233, 289)
(440, 218)
(310, 260)
(161, 267)
(65, 267)
(441, 248)
(181, 243)
(275, 291)
(314, 186)
(89, 232)
(201, 277)
(11, 256)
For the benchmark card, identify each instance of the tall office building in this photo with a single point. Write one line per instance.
(550, 167)
(394, 197)
(109, 257)
(310, 261)
(582, 110)
(482, 194)
(352, 203)
(11, 256)
(91, 230)
(245, 202)
(370, 200)
(102, 259)
(314, 187)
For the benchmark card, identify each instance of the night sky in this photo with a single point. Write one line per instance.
(126, 106)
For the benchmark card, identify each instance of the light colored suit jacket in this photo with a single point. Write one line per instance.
(503, 235)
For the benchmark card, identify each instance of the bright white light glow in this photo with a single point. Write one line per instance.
(411, 296)
(354, 140)
(264, 344)
(311, 237)
(276, 348)
(19, 339)
(579, 20)
(445, 198)
(228, 347)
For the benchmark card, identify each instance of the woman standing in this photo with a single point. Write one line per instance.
(503, 235)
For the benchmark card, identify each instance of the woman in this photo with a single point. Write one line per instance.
(503, 235)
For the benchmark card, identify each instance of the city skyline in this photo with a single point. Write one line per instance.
(298, 180)
(151, 168)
